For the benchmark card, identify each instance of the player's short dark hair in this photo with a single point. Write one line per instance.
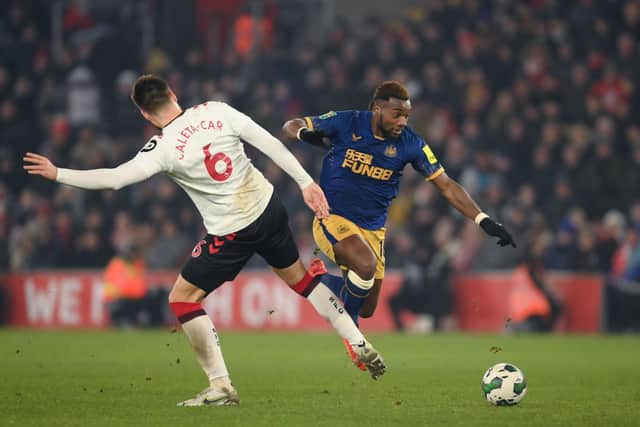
(150, 93)
(389, 89)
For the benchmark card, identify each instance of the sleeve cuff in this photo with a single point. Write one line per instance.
(478, 219)
(435, 174)
(299, 131)
(61, 176)
(305, 182)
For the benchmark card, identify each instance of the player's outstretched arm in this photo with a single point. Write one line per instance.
(458, 197)
(297, 129)
(94, 179)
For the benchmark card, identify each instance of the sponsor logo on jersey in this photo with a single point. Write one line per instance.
(361, 164)
(149, 146)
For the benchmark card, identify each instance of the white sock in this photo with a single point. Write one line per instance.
(204, 340)
(330, 308)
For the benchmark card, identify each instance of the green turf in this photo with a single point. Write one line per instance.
(135, 378)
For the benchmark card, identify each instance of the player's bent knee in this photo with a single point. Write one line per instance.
(183, 291)
(366, 269)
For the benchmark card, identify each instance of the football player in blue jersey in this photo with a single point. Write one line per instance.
(367, 151)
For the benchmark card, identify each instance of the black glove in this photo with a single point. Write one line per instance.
(496, 229)
(313, 137)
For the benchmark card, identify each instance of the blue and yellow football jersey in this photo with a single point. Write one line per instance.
(361, 173)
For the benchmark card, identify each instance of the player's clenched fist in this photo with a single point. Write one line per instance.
(40, 165)
(315, 199)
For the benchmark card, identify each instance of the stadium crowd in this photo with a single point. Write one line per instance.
(530, 105)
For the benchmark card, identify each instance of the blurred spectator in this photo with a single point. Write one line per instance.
(532, 307)
(126, 122)
(562, 199)
(612, 91)
(251, 32)
(565, 250)
(170, 249)
(125, 285)
(609, 236)
(91, 251)
(623, 292)
(586, 257)
(426, 290)
(4, 227)
(58, 146)
(83, 98)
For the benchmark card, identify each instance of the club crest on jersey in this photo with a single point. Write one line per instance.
(391, 151)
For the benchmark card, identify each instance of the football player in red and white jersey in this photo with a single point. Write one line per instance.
(201, 149)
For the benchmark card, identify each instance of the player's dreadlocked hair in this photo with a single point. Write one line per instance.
(389, 89)
(150, 93)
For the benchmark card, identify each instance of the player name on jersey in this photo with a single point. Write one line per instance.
(360, 164)
(190, 130)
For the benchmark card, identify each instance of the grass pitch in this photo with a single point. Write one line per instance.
(113, 378)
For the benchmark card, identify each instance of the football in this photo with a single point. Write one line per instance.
(504, 384)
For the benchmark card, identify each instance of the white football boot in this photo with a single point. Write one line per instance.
(371, 359)
(218, 396)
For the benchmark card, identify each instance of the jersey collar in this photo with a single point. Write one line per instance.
(174, 119)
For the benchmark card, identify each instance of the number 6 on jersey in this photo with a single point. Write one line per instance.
(218, 165)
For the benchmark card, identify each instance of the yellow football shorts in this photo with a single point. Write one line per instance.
(328, 232)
